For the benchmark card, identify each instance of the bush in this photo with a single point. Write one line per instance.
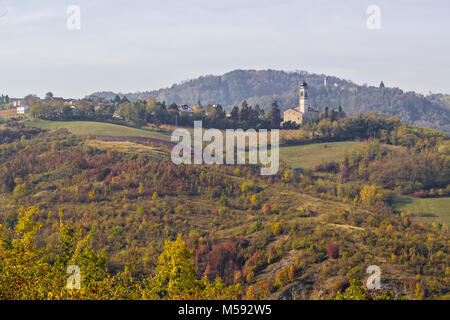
(266, 208)
(333, 250)
(276, 228)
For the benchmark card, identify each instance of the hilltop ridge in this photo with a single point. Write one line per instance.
(262, 87)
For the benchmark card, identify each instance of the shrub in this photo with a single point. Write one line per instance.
(257, 226)
(276, 228)
(266, 208)
(333, 250)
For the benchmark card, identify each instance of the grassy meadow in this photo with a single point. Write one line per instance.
(426, 209)
(100, 128)
(310, 155)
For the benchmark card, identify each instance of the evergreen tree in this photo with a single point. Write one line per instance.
(275, 116)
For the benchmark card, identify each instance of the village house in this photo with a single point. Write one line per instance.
(185, 108)
(15, 102)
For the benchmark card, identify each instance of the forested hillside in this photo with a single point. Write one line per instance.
(263, 87)
(116, 211)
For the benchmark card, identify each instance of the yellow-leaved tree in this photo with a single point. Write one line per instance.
(23, 269)
(28, 272)
(175, 278)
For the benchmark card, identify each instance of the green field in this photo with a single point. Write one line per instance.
(310, 155)
(99, 128)
(426, 209)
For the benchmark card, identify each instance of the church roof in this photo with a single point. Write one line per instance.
(296, 109)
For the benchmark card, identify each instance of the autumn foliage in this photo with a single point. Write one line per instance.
(333, 250)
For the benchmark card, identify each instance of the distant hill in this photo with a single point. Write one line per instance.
(264, 86)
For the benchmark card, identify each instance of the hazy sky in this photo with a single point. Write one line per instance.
(136, 45)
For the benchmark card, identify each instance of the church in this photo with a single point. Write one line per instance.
(304, 112)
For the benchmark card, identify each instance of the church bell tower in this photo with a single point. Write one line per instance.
(303, 103)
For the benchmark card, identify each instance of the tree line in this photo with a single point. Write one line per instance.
(141, 112)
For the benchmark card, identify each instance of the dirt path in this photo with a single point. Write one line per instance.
(135, 139)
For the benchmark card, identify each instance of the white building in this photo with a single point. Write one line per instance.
(15, 102)
(304, 112)
(185, 107)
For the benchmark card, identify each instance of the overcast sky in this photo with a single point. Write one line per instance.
(137, 45)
